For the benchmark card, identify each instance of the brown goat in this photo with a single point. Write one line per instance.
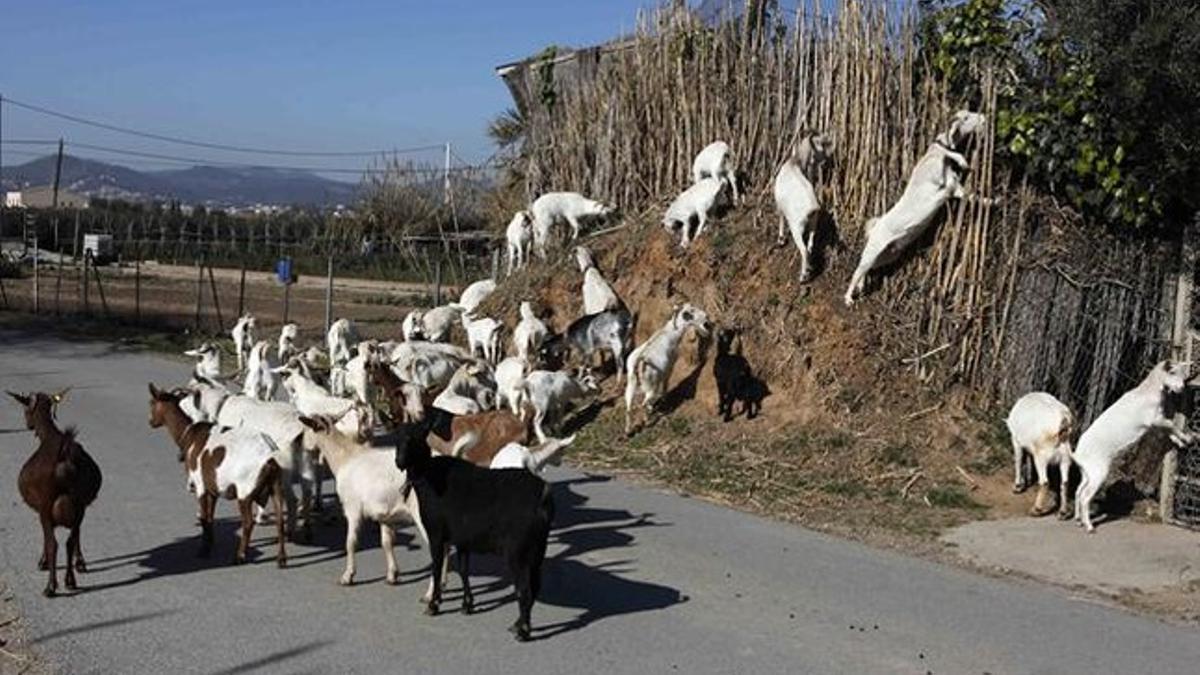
(406, 402)
(224, 470)
(477, 438)
(59, 481)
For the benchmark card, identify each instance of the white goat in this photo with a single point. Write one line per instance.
(358, 385)
(471, 390)
(648, 367)
(519, 235)
(1121, 426)
(796, 200)
(413, 326)
(598, 294)
(474, 295)
(287, 342)
(429, 364)
(368, 486)
(549, 392)
(936, 179)
(208, 361)
(261, 381)
(339, 338)
(695, 202)
(715, 161)
(311, 398)
(243, 338)
(517, 456)
(1042, 426)
(529, 333)
(483, 336)
(510, 381)
(437, 322)
(555, 207)
(281, 422)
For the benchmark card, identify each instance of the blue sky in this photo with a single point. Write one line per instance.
(269, 73)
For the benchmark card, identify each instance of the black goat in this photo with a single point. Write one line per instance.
(502, 511)
(735, 378)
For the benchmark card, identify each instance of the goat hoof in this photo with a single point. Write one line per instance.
(81, 566)
(1018, 488)
(468, 606)
(392, 580)
(50, 591)
(70, 584)
(346, 580)
(1064, 515)
(281, 562)
(42, 565)
(431, 609)
(520, 631)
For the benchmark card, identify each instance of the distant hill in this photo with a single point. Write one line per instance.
(215, 186)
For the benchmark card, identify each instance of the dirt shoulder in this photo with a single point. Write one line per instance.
(17, 655)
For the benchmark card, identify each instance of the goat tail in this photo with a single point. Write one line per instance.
(464, 443)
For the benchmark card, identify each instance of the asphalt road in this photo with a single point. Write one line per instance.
(638, 581)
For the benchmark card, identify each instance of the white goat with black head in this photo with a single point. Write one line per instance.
(598, 294)
(648, 368)
(1120, 427)
(715, 161)
(208, 361)
(519, 236)
(243, 338)
(549, 392)
(935, 180)
(796, 200)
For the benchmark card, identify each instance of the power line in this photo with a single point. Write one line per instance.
(211, 146)
(195, 161)
(23, 141)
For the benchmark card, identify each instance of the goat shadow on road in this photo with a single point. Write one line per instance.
(599, 590)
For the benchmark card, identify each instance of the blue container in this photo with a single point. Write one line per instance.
(283, 271)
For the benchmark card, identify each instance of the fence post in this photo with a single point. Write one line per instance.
(329, 295)
(58, 287)
(242, 289)
(287, 297)
(495, 263)
(1180, 348)
(36, 276)
(199, 293)
(99, 286)
(86, 306)
(212, 284)
(437, 282)
(137, 287)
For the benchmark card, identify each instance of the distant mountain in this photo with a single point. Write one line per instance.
(214, 186)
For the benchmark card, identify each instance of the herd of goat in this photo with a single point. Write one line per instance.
(452, 439)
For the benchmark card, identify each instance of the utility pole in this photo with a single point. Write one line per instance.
(2, 190)
(57, 177)
(446, 177)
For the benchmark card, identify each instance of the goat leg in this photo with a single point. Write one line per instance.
(468, 600)
(50, 553)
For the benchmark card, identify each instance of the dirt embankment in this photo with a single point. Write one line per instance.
(848, 438)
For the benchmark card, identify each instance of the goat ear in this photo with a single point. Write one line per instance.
(58, 396)
(19, 398)
(155, 393)
(311, 423)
